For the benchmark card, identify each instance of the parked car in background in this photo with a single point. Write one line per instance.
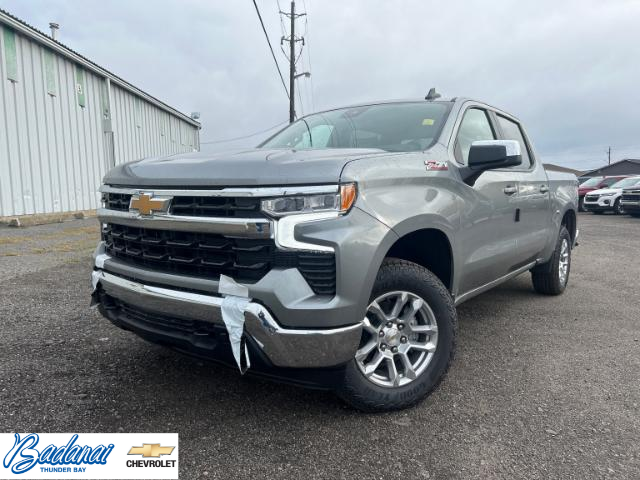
(595, 183)
(609, 199)
(630, 200)
(581, 180)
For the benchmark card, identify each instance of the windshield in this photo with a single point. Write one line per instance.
(626, 182)
(592, 182)
(394, 127)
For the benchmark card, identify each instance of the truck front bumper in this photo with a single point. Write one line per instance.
(602, 204)
(192, 320)
(631, 206)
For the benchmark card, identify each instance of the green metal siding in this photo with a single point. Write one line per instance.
(50, 72)
(10, 54)
(80, 88)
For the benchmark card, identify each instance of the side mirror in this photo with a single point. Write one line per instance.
(490, 155)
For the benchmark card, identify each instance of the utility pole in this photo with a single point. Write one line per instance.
(609, 154)
(292, 57)
(292, 65)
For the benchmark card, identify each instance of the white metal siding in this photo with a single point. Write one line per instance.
(140, 129)
(54, 153)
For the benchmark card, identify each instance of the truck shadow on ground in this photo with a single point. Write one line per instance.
(159, 376)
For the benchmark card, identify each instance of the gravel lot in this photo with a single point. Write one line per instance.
(541, 387)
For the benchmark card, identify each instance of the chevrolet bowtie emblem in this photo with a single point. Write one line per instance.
(151, 450)
(147, 204)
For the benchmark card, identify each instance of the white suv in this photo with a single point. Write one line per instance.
(608, 199)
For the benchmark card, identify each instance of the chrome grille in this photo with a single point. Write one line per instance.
(116, 201)
(196, 206)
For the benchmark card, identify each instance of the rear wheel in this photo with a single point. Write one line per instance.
(551, 278)
(408, 340)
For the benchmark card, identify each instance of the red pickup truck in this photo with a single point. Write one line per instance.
(595, 183)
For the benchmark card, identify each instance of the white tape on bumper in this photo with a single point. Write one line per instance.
(228, 286)
(233, 306)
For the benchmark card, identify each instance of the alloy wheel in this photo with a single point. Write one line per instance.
(400, 337)
(563, 267)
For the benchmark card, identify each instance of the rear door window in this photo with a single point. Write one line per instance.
(512, 131)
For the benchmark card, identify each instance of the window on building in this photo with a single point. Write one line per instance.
(10, 54)
(80, 88)
(105, 101)
(163, 124)
(138, 107)
(49, 72)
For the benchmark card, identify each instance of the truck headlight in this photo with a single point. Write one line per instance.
(340, 202)
(607, 194)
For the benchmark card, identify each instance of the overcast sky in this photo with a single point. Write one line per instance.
(570, 70)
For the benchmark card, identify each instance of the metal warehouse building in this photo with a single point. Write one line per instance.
(64, 121)
(627, 166)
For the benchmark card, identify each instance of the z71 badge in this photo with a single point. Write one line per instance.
(435, 165)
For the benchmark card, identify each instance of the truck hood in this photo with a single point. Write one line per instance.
(254, 167)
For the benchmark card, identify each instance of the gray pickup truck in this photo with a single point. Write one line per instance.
(345, 241)
(630, 200)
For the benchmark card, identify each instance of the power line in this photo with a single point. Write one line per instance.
(306, 34)
(300, 98)
(271, 48)
(282, 27)
(306, 65)
(244, 136)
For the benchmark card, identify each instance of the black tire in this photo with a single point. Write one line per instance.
(581, 205)
(618, 209)
(546, 277)
(400, 275)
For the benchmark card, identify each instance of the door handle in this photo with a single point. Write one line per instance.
(510, 190)
(544, 189)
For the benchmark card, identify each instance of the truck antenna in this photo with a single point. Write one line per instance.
(432, 95)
